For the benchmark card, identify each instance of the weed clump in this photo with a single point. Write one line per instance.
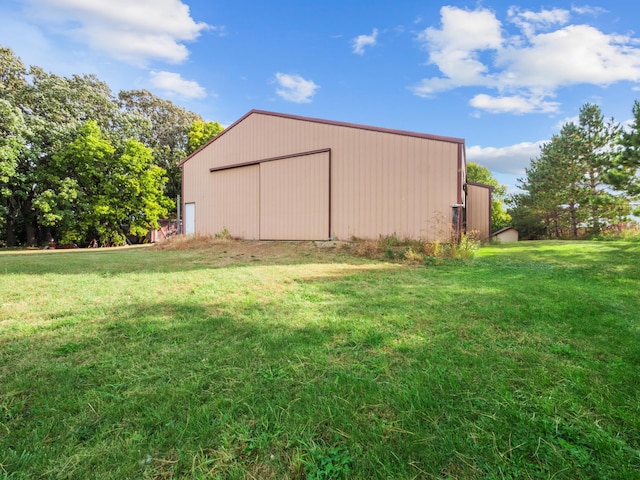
(223, 235)
(390, 247)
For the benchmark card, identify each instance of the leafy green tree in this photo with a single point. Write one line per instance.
(480, 174)
(12, 146)
(51, 109)
(12, 142)
(163, 127)
(201, 132)
(12, 73)
(107, 193)
(42, 115)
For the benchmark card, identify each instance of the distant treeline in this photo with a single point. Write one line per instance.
(79, 164)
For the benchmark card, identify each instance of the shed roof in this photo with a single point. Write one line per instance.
(329, 122)
(502, 230)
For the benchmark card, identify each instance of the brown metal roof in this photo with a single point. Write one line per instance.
(330, 122)
(484, 185)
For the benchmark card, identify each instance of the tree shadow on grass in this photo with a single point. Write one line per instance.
(406, 369)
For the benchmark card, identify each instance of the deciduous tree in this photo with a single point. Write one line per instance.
(201, 132)
(163, 127)
(107, 193)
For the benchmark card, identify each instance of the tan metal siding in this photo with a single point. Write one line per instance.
(294, 198)
(233, 202)
(381, 183)
(479, 210)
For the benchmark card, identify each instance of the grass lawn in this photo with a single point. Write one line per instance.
(275, 361)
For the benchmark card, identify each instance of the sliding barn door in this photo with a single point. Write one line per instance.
(294, 198)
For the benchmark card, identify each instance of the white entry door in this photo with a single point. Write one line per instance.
(189, 218)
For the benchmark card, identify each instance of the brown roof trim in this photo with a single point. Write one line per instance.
(329, 122)
(490, 187)
(361, 127)
(502, 230)
(272, 159)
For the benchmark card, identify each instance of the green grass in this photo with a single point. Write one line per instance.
(275, 361)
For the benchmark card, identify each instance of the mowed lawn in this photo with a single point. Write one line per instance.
(294, 361)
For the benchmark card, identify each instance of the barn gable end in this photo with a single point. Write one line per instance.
(282, 177)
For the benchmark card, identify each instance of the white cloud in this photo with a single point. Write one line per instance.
(454, 48)
(363, 41)
(294, 88)
(135, 32)
(509, 160)
(472, 48)
(173, 84)
(573, 55)
(588, 10)
(529, 22)
(515, 104)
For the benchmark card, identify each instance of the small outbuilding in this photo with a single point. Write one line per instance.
(506, 235)
(273, 176)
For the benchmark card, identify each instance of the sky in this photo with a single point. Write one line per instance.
(503, 75)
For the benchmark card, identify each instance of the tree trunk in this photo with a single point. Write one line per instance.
(11, 230)
(595, 217)
(30, 225)
(30, 231)
(574, 220)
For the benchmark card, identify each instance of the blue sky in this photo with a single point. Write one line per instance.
(502, 75)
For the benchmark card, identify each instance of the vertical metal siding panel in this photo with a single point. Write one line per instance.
(386, 164)
(416, 179)
(337, 188)
(294, 198)
(370, 210)
(419, 198)
(407, 188)
(234, 202)
(478, 201)
(354, 150)
(386, 181)
(392, 168)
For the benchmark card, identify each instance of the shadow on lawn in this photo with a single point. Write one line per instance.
(423, 370)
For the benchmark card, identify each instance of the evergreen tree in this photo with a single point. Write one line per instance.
(596, 142)
(624, 175)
